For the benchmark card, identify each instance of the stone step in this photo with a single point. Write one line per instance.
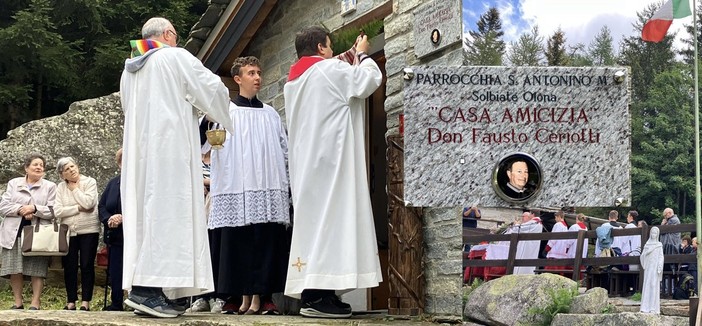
(70, 318)
(680, 308)
(619, 319)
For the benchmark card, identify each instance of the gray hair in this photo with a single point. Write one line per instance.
(62, 164)
(154, 27)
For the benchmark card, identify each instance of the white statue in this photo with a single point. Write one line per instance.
(652, 264)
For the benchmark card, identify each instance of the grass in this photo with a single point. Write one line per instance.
(467, 290)
(560, 302)
(53, 296)
(636, 296)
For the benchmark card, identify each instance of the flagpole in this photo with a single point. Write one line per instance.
(698, 199)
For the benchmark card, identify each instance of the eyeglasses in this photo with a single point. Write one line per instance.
(174, 34)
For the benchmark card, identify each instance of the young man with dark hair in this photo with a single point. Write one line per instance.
(249, 191)
(334, 245)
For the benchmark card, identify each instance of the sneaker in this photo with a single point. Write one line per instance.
(339, 303)
(155, 306)
(199, 305)
(174, 304)
(324, 308)
(216, 305)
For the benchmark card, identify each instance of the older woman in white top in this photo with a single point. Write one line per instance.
(76, 199)
(26, 199)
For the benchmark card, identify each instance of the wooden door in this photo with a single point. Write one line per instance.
(406, 237)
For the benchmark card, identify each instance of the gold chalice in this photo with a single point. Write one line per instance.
(216, 137)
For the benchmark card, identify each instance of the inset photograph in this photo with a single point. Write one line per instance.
(517, 178)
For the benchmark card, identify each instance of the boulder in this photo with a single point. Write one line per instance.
(507, 300)
(90, 132)
(619, 319)
(593, 301)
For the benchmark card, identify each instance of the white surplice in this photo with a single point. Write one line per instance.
(559, 248)
(528, 249)
(333, 244)
(572, 246)
(249, 181)
(165, 231)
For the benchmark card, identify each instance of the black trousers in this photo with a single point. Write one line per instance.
(253, 259)
(310, 295)
(81, 252)
(214, 236)
(115, 257)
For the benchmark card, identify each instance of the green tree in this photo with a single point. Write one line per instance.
(656, 182)
(528, 50)
(556, 49)
(688, 52)
(646, 59)
(36, 60)
(601, 51)
(56, 52)
(485, 46)
(663, 165)
(578, 57)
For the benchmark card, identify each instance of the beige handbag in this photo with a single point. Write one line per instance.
(45, 239)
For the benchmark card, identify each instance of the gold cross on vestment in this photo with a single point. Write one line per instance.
(298, 264)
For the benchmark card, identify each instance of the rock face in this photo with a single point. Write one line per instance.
(90, 132)
(593, 301)
(507, 300)
(620, 319)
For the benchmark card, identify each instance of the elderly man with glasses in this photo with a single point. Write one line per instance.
(165, 231)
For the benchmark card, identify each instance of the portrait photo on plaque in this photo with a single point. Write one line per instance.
(517, 178)
(435, 36)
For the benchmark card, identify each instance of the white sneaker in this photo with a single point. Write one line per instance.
(199, 305)
(216, 305)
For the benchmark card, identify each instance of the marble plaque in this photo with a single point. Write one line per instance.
(464, 127)
(437, 24)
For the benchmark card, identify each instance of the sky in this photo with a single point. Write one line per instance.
(580, 20)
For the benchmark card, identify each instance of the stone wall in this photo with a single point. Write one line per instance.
(443, 232)
(90, 132)
(274, 42)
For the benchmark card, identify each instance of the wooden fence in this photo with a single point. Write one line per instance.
(475, 236)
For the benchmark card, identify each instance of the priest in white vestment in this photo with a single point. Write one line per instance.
(165, 231)
(528, 249)
(333, 244)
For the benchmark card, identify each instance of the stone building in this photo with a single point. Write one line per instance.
(420, 248)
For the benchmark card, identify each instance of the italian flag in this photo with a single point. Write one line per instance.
(656, 27)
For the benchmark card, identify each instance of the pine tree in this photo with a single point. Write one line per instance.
(55, 52)
(555, 49)
(601, 51)
(660, 109)
(528, 50)
(578, 56)
(485, 46)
